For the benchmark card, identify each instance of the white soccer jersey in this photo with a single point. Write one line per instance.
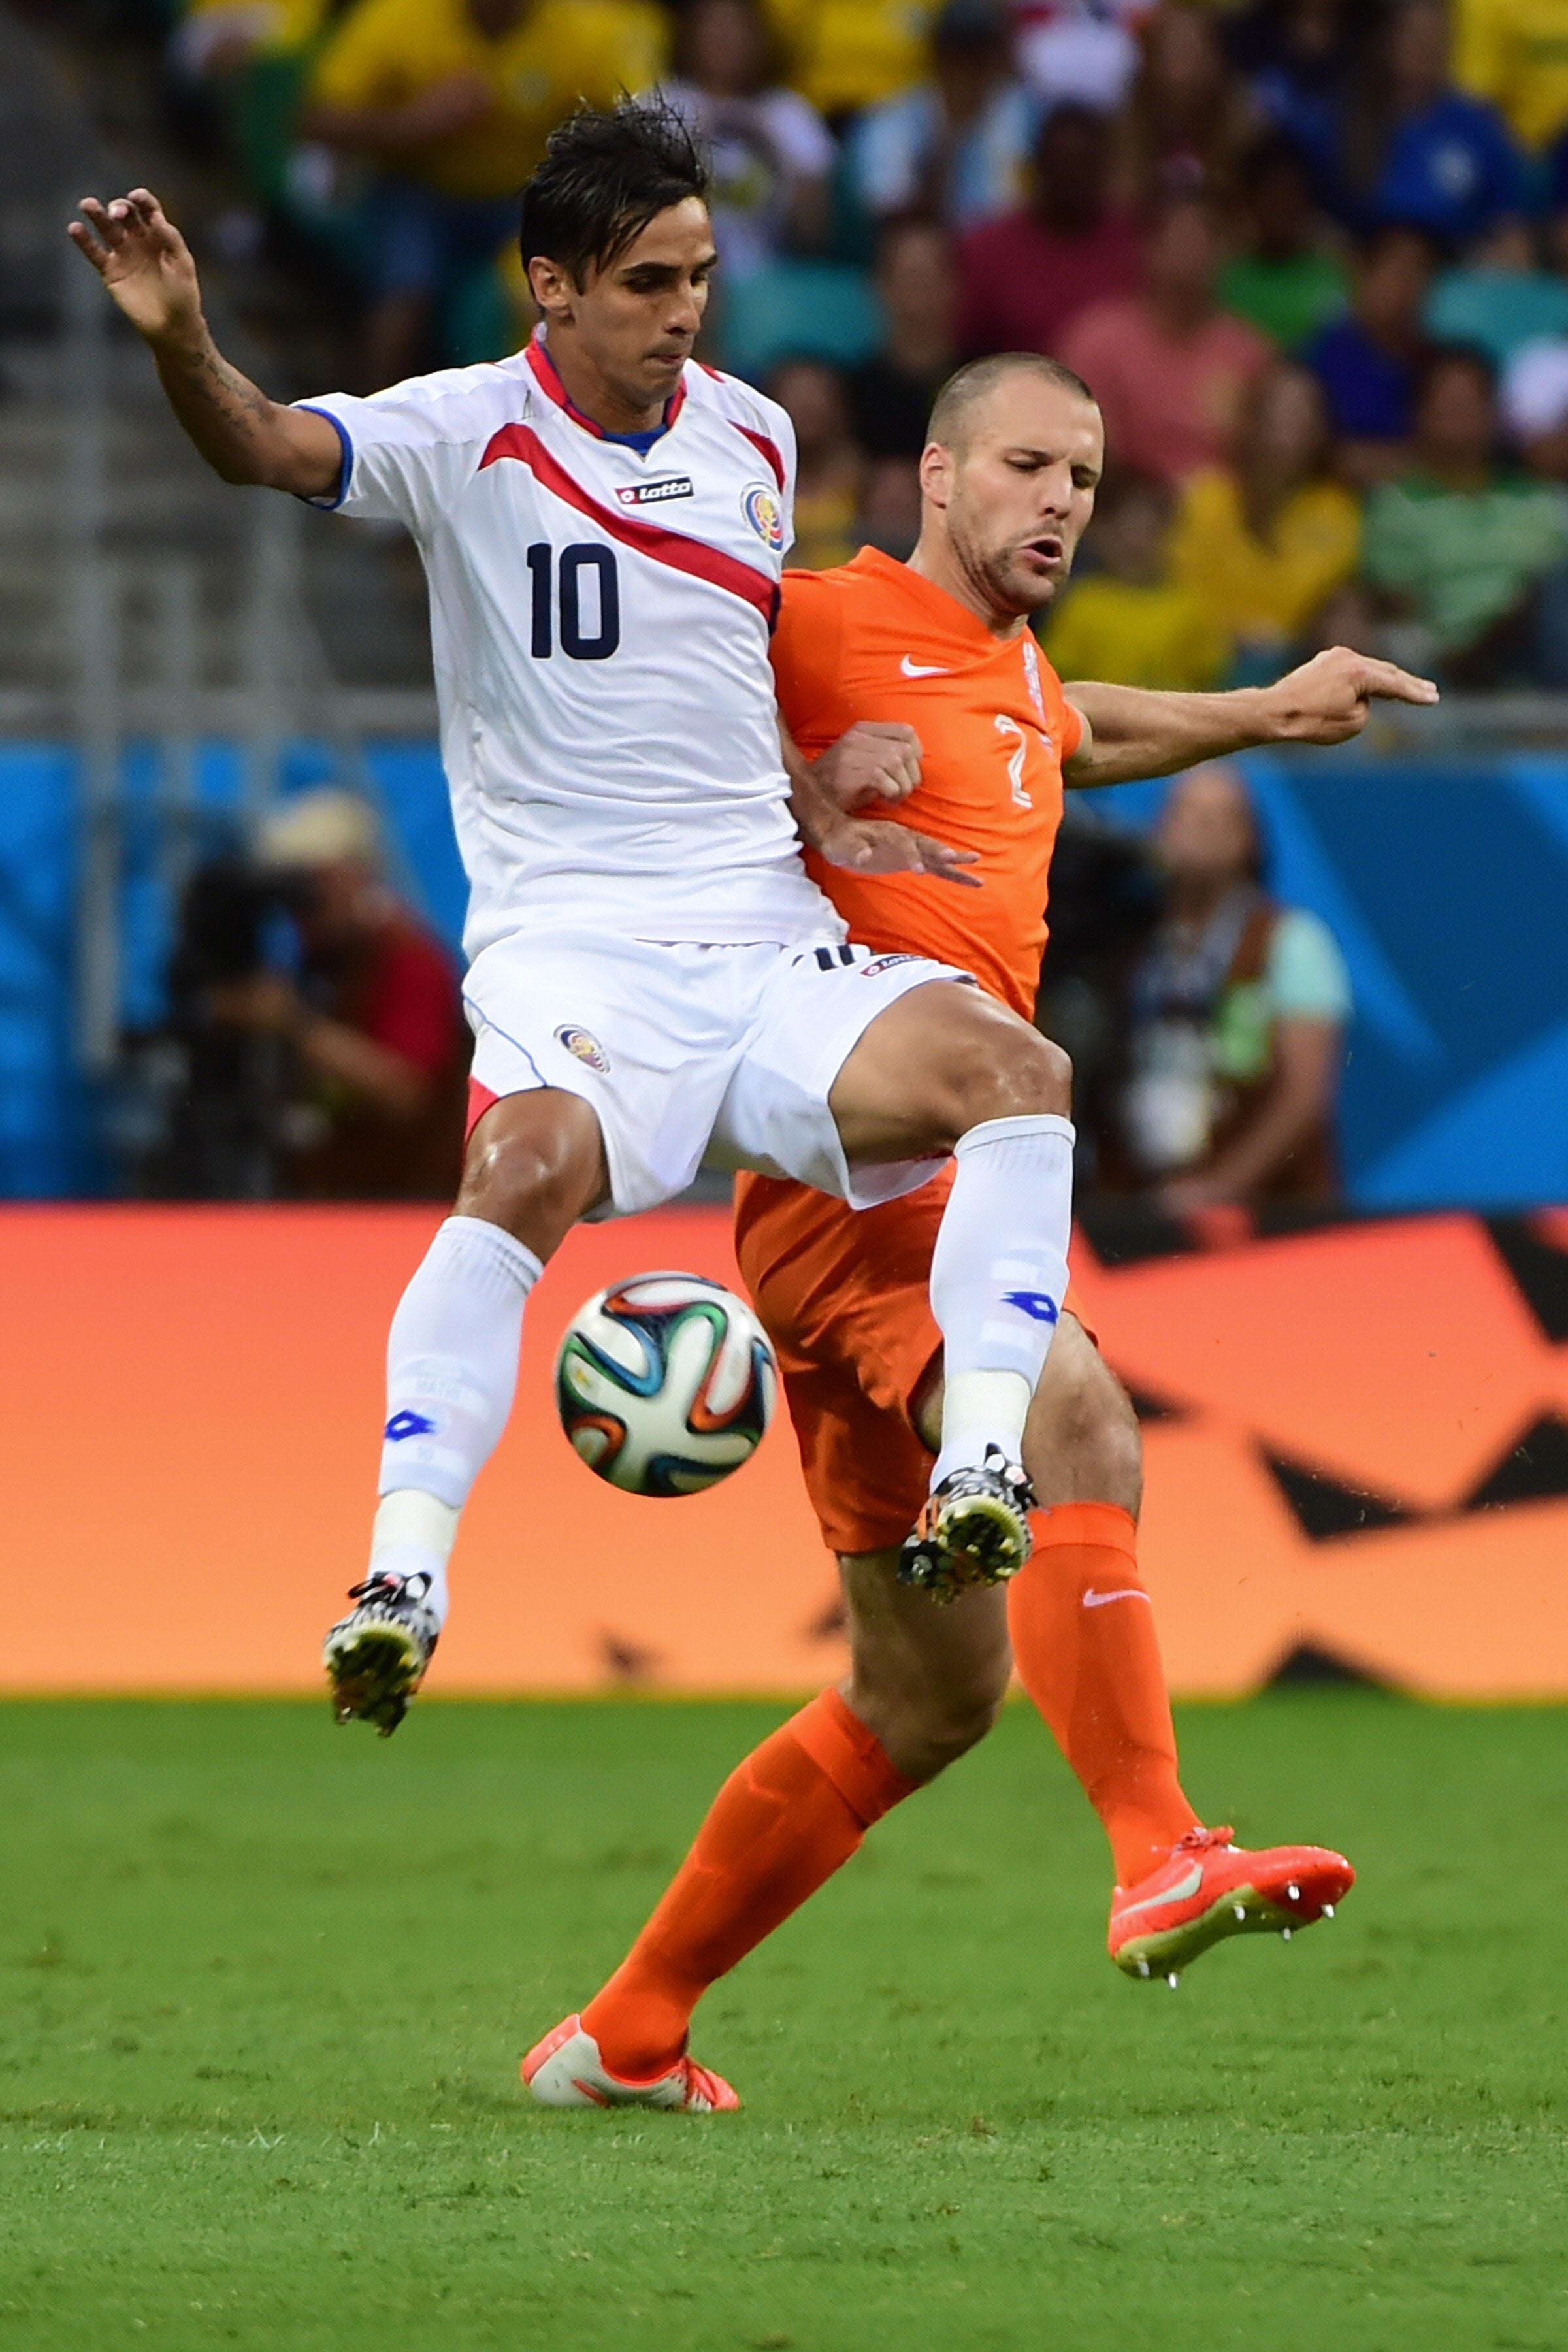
(600, 617)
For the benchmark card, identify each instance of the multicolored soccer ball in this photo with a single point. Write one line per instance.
(665, 1383)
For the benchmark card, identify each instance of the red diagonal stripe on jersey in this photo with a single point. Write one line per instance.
(690, 555)
(769, 449)
(550, 384)
(549, 376)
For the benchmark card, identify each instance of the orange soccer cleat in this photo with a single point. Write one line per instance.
(1211, 1888)
(565, 2069)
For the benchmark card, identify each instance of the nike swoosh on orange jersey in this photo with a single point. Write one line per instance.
(922, 669)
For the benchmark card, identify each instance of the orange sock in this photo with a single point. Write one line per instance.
(784, 1821)
(1090, 1659)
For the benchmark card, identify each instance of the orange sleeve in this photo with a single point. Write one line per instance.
(807, 647)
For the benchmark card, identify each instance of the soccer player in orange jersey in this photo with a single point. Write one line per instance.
(920, 683)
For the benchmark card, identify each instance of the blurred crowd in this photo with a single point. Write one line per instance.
(1312, 255)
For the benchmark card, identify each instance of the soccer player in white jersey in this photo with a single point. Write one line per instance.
(653, 977)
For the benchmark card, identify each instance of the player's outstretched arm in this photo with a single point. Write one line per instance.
(1130, 732)
(147, 267)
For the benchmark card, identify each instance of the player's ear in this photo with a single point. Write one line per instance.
(552, 287)
(937, 470)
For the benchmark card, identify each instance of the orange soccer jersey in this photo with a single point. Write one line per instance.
(843, 1294)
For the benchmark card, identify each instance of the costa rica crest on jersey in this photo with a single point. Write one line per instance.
(759, 505)
(584, 1047)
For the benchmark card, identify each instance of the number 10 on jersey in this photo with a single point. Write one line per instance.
(558, 596)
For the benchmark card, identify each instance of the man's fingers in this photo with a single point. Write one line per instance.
(86, 243)
(113, 224)
(947, 863)
(889, 731)
(897, 754)
(154, 219)
(1391, 683)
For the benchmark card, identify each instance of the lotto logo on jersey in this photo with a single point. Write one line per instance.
(654, 494)
(884, 963)
(584, 1047)
(762, 509)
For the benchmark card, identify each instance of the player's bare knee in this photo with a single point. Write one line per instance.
(1013, 1073)
(951, 1725)
(533, 1175)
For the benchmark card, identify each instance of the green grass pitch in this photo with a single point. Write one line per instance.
(266, 1984)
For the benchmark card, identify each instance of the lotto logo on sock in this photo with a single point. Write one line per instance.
(409, 1425)
(1035, 1303)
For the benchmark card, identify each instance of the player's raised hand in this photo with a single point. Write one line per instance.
(1328, 699)
(143, 260)
(875, 760)
(875, 845)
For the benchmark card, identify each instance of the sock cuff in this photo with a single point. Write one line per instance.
(1014, 1130)
(850, 1756)
(477, 1237)
(1105, 1525)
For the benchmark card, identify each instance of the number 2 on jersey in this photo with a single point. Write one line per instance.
(574, 561)
(1011, 732)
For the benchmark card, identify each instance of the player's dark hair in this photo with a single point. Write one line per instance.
(957, 399)
(607, 172)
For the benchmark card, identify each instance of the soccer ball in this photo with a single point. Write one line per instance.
(665, 1383)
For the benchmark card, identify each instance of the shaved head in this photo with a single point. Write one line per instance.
(952, 418)
(1007, 481)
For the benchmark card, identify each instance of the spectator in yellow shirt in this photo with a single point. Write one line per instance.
(847, 55)
(1128, 622)
(455, 99)
(1515, 53)
(1265, 542)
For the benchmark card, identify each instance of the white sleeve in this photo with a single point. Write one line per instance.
(406, 452)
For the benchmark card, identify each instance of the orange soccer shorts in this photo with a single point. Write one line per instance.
(845, 1296)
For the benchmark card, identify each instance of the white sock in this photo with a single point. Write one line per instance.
(451, 1374)
(413, 1537)
(998, 1276)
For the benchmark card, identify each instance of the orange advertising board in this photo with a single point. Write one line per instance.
(1357, 1443)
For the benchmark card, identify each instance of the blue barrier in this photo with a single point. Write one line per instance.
(1447, 887)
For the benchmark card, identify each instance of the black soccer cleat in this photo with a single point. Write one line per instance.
(375, 1657)
(976, 1530)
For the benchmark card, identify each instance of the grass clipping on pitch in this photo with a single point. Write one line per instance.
(266, 1985)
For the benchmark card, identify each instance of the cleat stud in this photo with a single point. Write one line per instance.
(1143, 1969)
(1284, 1935)
(1328, 1910)
(1239, 1909)
(1294, 1892)
(1172, 1979)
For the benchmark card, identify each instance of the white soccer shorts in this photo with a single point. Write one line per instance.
(688, 1052)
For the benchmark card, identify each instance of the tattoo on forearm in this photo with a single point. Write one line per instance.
(207, 376)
